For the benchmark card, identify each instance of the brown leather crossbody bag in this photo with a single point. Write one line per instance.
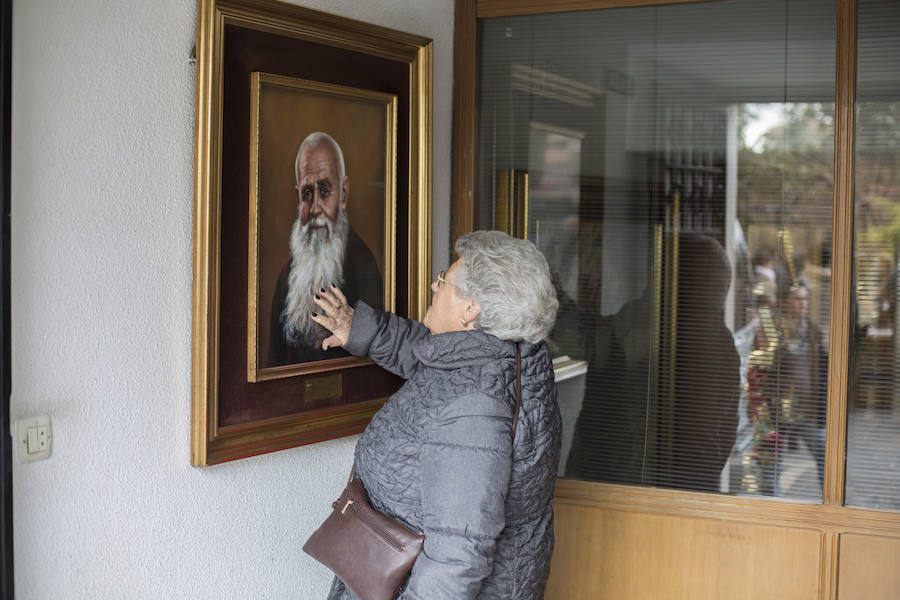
(371, 552)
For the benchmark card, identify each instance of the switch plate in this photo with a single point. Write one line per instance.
(35, 438)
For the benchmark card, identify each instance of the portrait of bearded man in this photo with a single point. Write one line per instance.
(325, 250)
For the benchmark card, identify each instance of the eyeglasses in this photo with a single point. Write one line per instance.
(441, 279)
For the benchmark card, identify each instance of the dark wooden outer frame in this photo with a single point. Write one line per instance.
(211, 443)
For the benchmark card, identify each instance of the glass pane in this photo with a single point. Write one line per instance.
(873, 437)
(785, 179)
(674, 164)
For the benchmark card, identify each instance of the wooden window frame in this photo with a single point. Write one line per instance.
(830, 517)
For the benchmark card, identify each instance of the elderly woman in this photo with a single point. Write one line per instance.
(440, 455)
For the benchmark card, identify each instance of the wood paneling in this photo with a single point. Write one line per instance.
(607, 553)
(869, 567)
(605, 532)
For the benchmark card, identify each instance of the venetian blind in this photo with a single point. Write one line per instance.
(873, 437)
(674, 164)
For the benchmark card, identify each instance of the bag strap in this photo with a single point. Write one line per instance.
(518, 390)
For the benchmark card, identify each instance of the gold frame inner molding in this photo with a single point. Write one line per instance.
(258, 80)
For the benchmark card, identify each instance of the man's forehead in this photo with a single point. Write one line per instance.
(309, 176)
(317, 163)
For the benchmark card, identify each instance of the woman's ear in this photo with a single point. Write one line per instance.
(473, 309)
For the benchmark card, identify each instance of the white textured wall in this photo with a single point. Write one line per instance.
(101, 307)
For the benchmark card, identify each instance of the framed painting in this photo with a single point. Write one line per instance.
(321, 212)
(313, 136)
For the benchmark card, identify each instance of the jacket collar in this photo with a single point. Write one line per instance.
(457, 349)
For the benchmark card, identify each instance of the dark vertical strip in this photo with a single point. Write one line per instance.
(6, 566)
(465, 68)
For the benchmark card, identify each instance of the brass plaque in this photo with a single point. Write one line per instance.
(323, 388)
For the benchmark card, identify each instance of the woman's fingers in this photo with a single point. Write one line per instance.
(339, 295)
(332, 320)
(330, 342)
(337, 316)
(340, 332)
(327, 300)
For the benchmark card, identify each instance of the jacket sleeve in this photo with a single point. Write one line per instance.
(465, 470)
(385, 338)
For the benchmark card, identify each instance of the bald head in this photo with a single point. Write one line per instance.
(315, 140)
(322, 185)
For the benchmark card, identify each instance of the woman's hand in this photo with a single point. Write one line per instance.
(337, 317)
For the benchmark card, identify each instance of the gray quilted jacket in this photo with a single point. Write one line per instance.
(439, 456)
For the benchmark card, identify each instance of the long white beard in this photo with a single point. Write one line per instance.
(317, 251)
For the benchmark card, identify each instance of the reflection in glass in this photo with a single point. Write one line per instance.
(873, 419)
(553, 161)
(679, 168)
(784, 195)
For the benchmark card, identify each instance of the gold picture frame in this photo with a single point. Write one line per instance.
(235, 414)
(364, 123)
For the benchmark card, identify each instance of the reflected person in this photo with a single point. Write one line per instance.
(679, 434)
(788, 390)
(805, 362)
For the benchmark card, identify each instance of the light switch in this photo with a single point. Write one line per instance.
(33, 441)
(34, 438)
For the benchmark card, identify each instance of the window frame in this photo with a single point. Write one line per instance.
(830, 516)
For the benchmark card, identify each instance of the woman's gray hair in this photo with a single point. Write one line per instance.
(510, 280)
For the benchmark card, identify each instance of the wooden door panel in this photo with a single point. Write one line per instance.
(608, 553)
(869, 567)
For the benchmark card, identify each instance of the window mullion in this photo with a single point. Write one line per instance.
(842, 253)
